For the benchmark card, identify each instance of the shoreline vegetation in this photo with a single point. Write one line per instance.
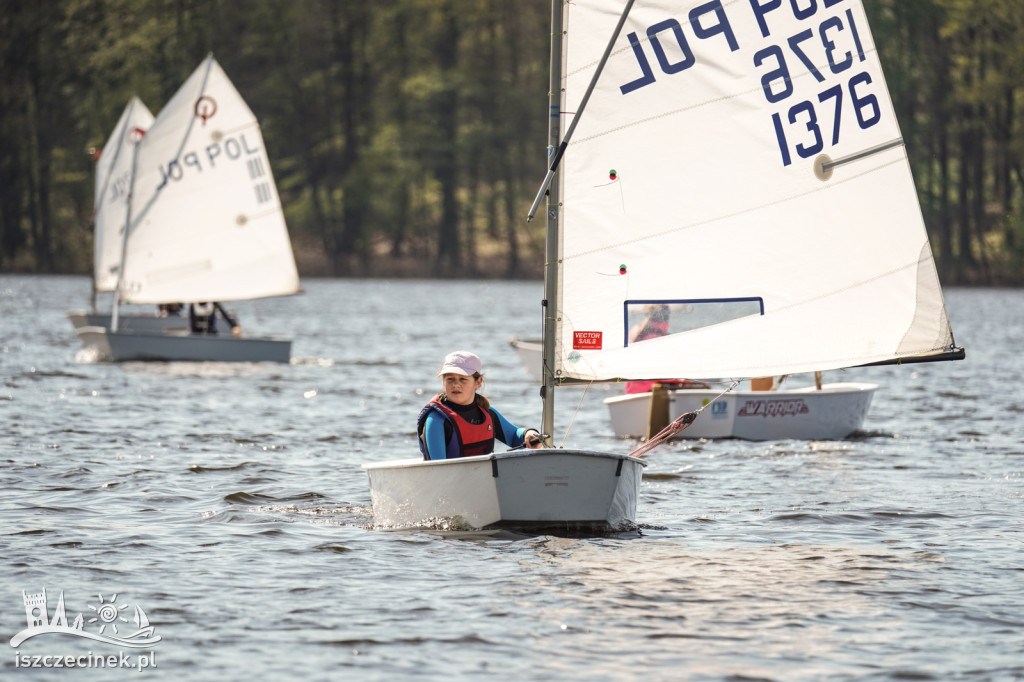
(408, 137)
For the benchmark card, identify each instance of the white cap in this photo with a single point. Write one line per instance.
(460, 362)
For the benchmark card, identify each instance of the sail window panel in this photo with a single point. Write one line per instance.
(649, 319)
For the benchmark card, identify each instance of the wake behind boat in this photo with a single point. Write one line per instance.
(204, 224)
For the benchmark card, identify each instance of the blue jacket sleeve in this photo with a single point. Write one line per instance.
(513, 433)
(433, 430)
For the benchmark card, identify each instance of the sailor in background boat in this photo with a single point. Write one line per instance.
(654, 325)
(202, 319)
(169, 309)
(459, 422)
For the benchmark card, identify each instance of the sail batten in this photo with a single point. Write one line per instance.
(731, 151)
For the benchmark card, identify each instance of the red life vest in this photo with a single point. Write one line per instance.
(652, 330)
(467, 439)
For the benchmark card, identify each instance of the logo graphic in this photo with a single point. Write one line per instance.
(110, 620)
(587, 340)
(774, 408)
(205, 107)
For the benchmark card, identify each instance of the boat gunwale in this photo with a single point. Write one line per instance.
(494, 456)
(849, 386)
(179, 333)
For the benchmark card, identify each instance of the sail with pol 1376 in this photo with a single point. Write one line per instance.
(741, 163)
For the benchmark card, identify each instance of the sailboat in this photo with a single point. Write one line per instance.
(738, 163)
(531, 356)
(816, 411)
(113, 179)
(762, 410)
(204, 224)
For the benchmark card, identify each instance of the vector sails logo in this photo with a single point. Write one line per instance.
(114, 624)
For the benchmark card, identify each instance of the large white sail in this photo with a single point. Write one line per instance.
(206, 219)
(113, 179)
(691, 181)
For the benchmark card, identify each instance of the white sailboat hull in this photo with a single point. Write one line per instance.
(531, 356)
(124, 346)
(833, 412)
(135, 323)
(568, 489)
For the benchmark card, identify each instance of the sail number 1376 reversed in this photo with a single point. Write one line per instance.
(801, 125)
(828, 51)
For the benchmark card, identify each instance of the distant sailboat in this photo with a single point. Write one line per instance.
(114, 170)
(205, 224)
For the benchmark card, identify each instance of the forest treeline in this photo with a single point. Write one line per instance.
(408, 136)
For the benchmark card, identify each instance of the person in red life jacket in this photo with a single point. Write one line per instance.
(654, 324)
(459, 422)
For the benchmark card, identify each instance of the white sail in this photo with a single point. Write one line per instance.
(206, 219)
(691, 181)
(113, 179)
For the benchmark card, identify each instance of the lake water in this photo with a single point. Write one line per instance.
(228, 503)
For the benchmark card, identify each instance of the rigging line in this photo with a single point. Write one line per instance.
(573, 420)
(148, 205)
(677, 425)
(583, 105)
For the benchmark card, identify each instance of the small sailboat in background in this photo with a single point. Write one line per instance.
(205, 224)
(113, 179)
(530, 353)
(760, 410)
(815, 411)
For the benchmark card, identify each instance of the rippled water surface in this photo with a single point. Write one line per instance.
(227, 502)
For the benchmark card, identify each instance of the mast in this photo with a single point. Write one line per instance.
(549, 304)
(556, 148)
